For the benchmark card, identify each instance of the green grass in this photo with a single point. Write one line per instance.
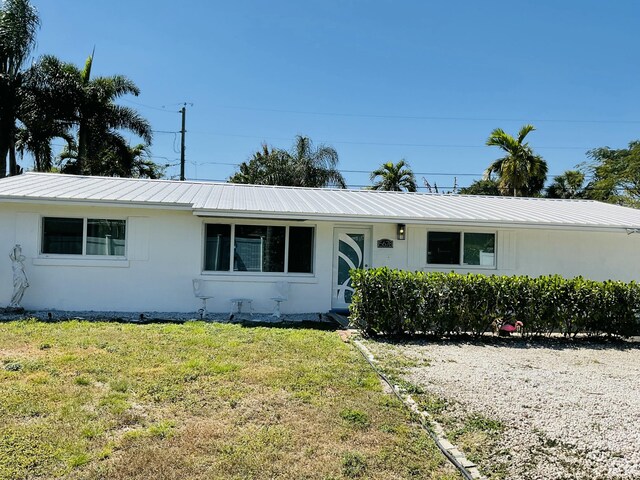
(198, 401)
(476, 435)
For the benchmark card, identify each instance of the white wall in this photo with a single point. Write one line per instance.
(165, 254)
(596, 255)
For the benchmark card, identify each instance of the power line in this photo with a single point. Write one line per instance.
(432, 174)
(160, 109)
(439, 187)
(381, 144)
(425, 117)
(451, 174)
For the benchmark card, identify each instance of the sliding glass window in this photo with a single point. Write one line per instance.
(457, 248)
(80, 236)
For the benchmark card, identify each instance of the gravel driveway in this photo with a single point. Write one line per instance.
(567, 411)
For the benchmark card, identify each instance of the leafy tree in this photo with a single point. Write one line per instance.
(615, 174)
(303, 166)
(316, 166)
(568, 185)
(520, 172)
(266, 167)
(481, 187)
(52, 99)
(18, 24)
(121, 160)
(47, 109)
(395, 178)
(100, 121)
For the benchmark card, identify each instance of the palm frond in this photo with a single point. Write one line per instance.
(85, 74)
(524, 131)
(120, 117)
(394, 177)
(19, 22)
(520, 171)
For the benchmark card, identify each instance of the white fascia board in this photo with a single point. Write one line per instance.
(96, 203)
(410, 221)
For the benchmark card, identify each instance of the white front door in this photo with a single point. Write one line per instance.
(351, 250)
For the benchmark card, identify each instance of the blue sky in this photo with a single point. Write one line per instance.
(378, 80)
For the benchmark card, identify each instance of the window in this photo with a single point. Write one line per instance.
(479, 249)
(443, 248)
(62, 235)
(300, 249)
(447, 248)
(105, 237)
(258, 248)
(81, 236)
(217, 247)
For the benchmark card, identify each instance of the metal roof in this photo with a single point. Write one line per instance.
(228, 200)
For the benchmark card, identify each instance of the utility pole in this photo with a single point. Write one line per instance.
(183, 111)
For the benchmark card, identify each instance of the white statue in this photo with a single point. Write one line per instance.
(20, 282)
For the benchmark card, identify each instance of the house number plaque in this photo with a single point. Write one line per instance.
(385, 243)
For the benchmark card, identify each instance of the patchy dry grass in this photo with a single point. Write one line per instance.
(476, 435)
(98, 400)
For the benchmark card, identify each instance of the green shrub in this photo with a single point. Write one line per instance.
(394, 302)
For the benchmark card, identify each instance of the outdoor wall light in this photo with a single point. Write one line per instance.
(402, 231)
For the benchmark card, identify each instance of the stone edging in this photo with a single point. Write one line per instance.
(451, 451)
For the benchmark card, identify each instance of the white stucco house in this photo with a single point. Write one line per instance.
(136, 245)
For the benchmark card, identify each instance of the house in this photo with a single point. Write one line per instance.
(136, 245)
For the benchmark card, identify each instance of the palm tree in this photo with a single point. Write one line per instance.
(315, 166)
(100, 119)
(568, 185)
(268, 166)
(520, 172)
(304, 166)
(122, 160)
(47, 109)
(18, 24)
(395, 178)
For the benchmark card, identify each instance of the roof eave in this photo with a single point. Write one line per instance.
(97, 203)
(407, 220)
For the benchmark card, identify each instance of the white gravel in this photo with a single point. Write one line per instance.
(569, 412)
(177, 317)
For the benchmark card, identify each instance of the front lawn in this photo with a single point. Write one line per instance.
(103, 400)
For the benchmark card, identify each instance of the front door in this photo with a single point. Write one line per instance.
(351, 250)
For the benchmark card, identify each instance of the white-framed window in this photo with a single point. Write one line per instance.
(83, 236)
(258, 248)
(477, 249)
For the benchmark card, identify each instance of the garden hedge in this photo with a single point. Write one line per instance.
(396, 302)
